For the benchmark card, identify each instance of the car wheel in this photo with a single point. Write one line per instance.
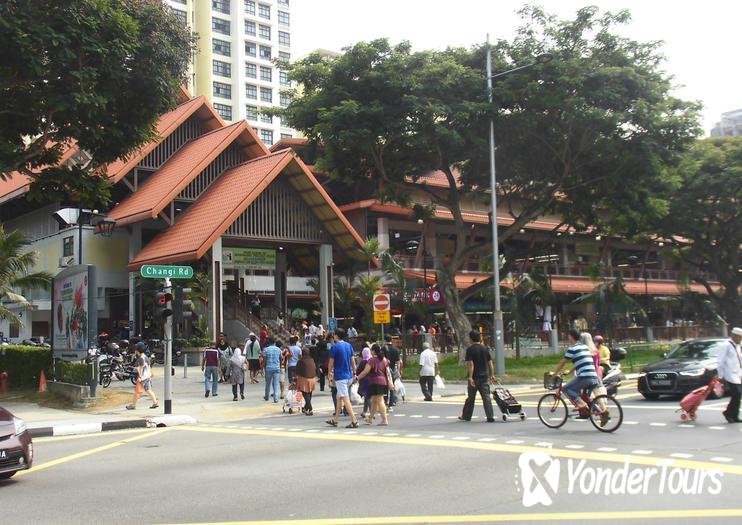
(7, 475)
(650, 397)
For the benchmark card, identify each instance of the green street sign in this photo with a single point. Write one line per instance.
(154, 271)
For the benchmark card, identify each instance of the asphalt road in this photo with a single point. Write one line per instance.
(426, 467)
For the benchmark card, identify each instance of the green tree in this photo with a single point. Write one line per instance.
(16, 265)
(529, 292)
(571, 133)
(611, 301)
(705, 220)
(94, 72)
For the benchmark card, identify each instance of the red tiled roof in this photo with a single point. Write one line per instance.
(225, 200)
(436, 178)
(287, 143)
(180, 169)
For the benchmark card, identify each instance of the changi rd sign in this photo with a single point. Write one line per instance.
(154, 271)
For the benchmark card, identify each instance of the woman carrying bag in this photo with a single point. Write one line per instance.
(237, 367)
(379, 383)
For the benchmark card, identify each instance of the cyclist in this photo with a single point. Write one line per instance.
(586, 377)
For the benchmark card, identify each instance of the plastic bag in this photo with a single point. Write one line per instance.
(439, 382)
(138, 387)
(399, 388)
(355, 398)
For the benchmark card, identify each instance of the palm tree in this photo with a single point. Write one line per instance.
(15, 273)
(530, 291)
(611, 300)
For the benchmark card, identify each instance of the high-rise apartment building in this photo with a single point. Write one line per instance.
(233, 68)
(730, 125)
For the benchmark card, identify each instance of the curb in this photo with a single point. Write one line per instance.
(91, 428)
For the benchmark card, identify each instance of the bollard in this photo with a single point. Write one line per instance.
(185, 365)
(3, 382)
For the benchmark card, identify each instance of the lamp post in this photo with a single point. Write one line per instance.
(497, 314)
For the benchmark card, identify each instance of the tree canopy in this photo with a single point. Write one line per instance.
(705, 219)
(98, 72)
(587, 136)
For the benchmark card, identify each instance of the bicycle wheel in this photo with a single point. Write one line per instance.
(614, 417)
(552, 410)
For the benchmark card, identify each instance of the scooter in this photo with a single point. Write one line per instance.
(613, 376)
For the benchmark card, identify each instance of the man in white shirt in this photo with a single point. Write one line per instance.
(729, 369)
(428, 371)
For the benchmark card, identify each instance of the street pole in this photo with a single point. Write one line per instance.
(168, 355)
(497, 314)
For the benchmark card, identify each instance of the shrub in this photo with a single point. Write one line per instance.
(199, 342)
(72, 372)
(24, 364)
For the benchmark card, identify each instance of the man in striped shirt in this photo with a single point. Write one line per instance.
(584, 367)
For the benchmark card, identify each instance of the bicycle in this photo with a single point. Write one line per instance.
(553, 412)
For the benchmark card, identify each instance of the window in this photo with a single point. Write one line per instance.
(283, 18)
(224, 110)
(221, 68)
(264, 11)
(221, 47)
(267, 119)
(266, 136)
(220, 26)
(283, 79)
(284, 38)
(266, 74)
(250, 49)
(283, 55)
(222, 90)
(251, 91)
(68, 246)
(283, 2)
(251, 112)
(220, 5)
(251, 70)
(266, 94)
(265, 52)
(182, 16)
(249, 28)
(286, 136)
(265, 32)
(285, 99)
(250, 7)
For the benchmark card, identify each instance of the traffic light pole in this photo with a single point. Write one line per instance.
(168, 355)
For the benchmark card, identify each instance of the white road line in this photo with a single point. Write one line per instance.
(436, 436)
(461, 438)
(390, 434)
(717, 428)
(416, 415)
(658, 424)
(486, 440)
(606, 449)
(412, 435)
(261, 428)
(576, 447)
(398, 415)
(313, 430)
(295, 429)
(686, 425)
(681, 455)
(330, 431)
(514, 442)
(454, 417)
(246, 427)
(232, 426)
(369, 433)
(278, 428)
(434, 417)
(641, 452)
(630, 422)
(543, 444)
(721, 459)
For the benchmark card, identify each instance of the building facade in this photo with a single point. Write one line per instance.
(729, 126)
(233, 67)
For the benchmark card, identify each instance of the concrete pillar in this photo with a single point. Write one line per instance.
(554, 341)
(280, 283)
(217, 275)
(135, 245)
(382, 232)
(326, 294)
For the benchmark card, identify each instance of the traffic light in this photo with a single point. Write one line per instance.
(163, 304)
(182, 307)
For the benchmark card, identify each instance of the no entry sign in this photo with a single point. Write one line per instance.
(381, 302)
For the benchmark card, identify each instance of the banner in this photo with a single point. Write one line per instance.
(70, 310)
(249, 258)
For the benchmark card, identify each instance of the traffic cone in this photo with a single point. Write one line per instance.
(42, 382)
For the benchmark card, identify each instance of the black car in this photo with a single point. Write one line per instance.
(687, 366)
(16, 448)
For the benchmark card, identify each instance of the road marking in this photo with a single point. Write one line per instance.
(575, 447)
(398, 415)
(461, 438)
(681, 455)
(603, 515)
(514, 442)
(717, 428)
(686, 425)
(658, 424)
(454, 417)
(543, 444)
(390, 434)
(370, 433)
(313, 430)
(641, 452)
(630, 422)
(434, 417)
(97, 434)
(436, 441)
(92, 451)
(416, 415)
(721, 459)
(412, 435)
(295, 429)
(606, 449)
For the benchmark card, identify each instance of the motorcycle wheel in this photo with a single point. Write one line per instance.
(133, 379)
(105, 381)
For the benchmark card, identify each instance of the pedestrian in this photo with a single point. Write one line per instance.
(306, 371)
(341, 368)
(255, 306)
(210, 367)
(379, 382)
(480, 373)
(238, 365)
(272, 356)
(363, 383)
(225, 354)
(352, 333)
(323, 359)
(604, 354)
(293, 357)
(428, 371)
(285, 354)
(263, 335)
(391, 353)
(144, 379)
(729, 369)
(252, 354)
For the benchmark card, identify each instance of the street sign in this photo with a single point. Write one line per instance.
(154, 271)
(381, 302)
(332, 324)
(382, 317)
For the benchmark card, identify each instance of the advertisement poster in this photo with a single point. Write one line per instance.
(70, 312)
(249, 258)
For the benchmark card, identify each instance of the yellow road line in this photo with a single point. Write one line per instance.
(479, 445)
(499, 518)
(90, 452)
(91, 435)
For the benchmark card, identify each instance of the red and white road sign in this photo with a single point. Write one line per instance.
(381, 302)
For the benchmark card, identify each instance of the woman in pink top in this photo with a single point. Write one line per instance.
(378, 381)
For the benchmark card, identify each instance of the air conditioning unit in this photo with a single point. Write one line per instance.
(66, 261)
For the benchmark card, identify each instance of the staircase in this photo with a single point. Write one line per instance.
(239, 321)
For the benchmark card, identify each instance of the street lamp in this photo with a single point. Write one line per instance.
(497, 314)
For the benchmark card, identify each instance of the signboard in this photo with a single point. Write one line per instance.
(382, 317)
(153, 271)
(381, 302)
(249, 258)
(74, 312)
(332, 324)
